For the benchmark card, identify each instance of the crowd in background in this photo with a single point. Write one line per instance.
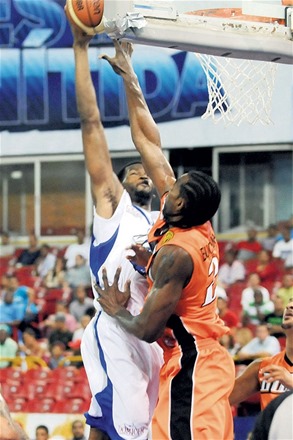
(46, 300)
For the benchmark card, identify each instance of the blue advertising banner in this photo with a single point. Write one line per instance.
(37, 73)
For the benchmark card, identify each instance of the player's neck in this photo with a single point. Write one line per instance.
(289, 344)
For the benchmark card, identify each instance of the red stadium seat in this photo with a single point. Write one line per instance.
(45, 405)
(72, 391)
(13, 390)
(11, 373)
(39, 374)
(18, 404)
(62, 374)
(71, 406)
(41, 389)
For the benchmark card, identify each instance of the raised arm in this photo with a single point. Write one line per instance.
(144, 130)
(106, 188)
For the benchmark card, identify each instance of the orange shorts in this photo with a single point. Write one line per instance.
(193, 396)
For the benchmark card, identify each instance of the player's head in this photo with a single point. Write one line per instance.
(288, 316)
(193, 200)
(136, 182)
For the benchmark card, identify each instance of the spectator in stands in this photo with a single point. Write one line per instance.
(60, 332)
(56, 276)
(242, 336)
(232, 270)
(24, 296)
(81, 303)
(31, 346)
(7, 249)
(264, 266)
(269, 241)
(285, 291)
(8, 347)
(45, 262)
(84, 320)
(274, 319)
(29, 256)
(61, 309)
(228, 316)
(74, 249)
(57, 354)
(4, 285)
(77, 428)
(249, 248)
(254, 312)
(253, 284)
(79, 274)
(261, 346)
(75, 347)
(283, 249)
(70, 320)
(11, 312)
(42, 432)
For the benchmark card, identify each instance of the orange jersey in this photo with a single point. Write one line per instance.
(269, 391)
(197, 306)
(195, 380)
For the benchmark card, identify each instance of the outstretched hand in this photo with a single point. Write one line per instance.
(121, 62)
(111, 298)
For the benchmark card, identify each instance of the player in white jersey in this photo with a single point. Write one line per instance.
(123, 372)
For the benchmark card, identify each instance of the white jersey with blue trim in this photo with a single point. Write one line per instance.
(123, 371)
(111, 238)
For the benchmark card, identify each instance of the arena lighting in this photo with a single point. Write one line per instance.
(17, 174)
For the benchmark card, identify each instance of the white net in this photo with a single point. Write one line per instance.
(239, 90)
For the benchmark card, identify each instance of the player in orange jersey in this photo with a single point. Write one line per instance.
(272, 375)
(196, 376)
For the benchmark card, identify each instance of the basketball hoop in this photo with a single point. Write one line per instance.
(239, 90)
(239, 49)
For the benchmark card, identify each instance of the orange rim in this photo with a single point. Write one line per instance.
(234, 14)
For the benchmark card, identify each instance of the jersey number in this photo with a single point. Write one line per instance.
(211, 290)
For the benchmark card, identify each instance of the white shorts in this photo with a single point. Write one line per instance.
(123, 374)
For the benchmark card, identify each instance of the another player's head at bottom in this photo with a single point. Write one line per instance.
(193, 200)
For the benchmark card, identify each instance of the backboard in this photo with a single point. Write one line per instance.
(260, 30)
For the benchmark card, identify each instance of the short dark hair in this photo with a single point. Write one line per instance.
(121, 173)
(202, 197)
(44, 427)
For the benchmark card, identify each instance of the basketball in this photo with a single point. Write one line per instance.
(87, 15)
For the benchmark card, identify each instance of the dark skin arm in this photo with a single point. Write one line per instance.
(144, 131)
(246, 384)
(171, 270)
(105, 186)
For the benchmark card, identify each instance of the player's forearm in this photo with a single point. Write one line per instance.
(142, 124)
(137, 326)
(85, 91)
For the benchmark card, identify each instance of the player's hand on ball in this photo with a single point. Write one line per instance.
(79, 36)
